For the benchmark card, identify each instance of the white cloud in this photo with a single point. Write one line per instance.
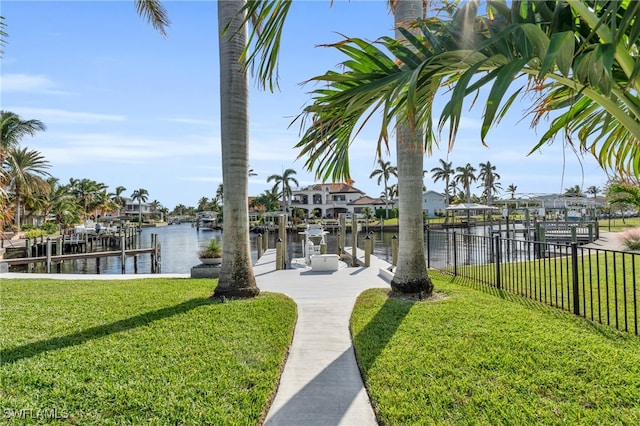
(29, 83)
(59, 116)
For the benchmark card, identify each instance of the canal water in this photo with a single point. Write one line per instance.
(180, 244)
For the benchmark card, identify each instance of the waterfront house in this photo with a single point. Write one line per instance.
(433, 204)
(326, 200)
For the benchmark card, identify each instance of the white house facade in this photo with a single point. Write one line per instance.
(433, 204)
(327, 200)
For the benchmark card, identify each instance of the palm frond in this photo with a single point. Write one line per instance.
(155, 14)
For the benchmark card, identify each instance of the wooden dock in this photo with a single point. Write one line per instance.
(46, 253)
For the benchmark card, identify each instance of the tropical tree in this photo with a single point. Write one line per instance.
(203, 204)
(574, 191)
(489, 179)
(13, 129)
(236, 273)
(593, 190)
(465, 176)
(624, 193)
(141, 196)
(284, 181)
(118, 198)
(393, 191)
(220, 194)
(511, 189)
(384, 173)
(268, 200)
(444, 172)
(27, 171)
(86, 191)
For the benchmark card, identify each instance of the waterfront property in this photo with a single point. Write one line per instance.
(327, 200)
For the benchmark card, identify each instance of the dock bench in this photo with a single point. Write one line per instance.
(324, 262)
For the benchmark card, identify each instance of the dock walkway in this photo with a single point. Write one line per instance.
(321, 382)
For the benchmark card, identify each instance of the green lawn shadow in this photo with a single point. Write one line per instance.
(380, 330)
(8, 356)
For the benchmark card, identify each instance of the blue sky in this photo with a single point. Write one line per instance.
(125, 106)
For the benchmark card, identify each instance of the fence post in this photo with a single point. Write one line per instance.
(428, 247)
(394, 250)
(498, 282)
(455, 255)
(574, 276)
(590, 228)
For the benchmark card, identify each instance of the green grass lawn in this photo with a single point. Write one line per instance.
(619, 224)
(476, 359)
(148, 351)
(608, 286)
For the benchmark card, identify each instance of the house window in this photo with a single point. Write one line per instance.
(317, 199)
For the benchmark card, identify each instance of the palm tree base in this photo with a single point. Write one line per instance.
(236, 292)
(423, 286)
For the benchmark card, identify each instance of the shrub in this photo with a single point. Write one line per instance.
(631, 238)
(49, 227)
(35, 233)
(212, 250)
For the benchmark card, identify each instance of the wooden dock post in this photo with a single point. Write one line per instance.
(368, 248)
(48, 255)
(123, 256)
(354, 241)
(394, 250)
(259, 246)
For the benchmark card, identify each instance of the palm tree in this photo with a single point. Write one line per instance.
(384, 173)
(13, 129)
(512, 190)
(489, 179)
(236, 274)
(444, 172)
(140, 195)
(27, 173)
(574, 191)
(393, 191)
(203, 204)
(465, 176)
(624, 193)
(220, 194)
(593, 190)
(268, 199)
(284, 180)
(117, 197)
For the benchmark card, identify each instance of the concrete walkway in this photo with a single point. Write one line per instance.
(321, 382)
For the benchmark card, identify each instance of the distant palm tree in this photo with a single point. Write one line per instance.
(574, 191)
(26, 176)
(393, 191)
(384, 173)
(593, 190)
(220, 194)
(465, 176)
(268, 200)
(489, 179)
(512, 190)
(284, 180)
(141, 195)
(117, 197)
(444, 173)
(203, 204)
(13, 129)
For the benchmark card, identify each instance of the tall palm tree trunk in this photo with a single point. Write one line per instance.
(236, 274)
(411, 270)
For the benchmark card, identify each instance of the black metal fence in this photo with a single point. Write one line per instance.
(600, 285)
